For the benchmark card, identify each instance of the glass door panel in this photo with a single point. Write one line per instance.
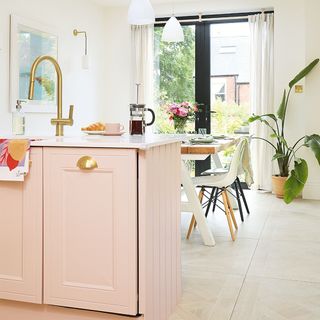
(230, 77)
(174, 77)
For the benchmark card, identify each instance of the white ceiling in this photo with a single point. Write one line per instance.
(126, 2)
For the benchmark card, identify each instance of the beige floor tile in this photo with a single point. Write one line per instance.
(291, 260)
(251, 228)
(273, 299)
(226, 257)
(298, 205)
(208, 298)
(293, 226)
(275, 245)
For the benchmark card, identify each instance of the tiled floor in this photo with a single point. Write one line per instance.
(271, 272)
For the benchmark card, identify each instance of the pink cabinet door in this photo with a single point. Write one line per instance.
(90, 218)
(21, 235)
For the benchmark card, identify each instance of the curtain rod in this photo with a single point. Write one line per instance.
(214, 17)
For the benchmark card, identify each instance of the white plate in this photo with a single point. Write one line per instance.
(103, 133)
(93, 132)
(113, 134)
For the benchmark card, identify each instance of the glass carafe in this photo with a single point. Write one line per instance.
(137, 123)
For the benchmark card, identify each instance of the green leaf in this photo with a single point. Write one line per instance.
(283, 140)
(254, 118)
(273, 135)
(270, 115)
(295, 183)
(313, 142)
(278, 156)
(303, 73)
(282, 108)
(261, 119)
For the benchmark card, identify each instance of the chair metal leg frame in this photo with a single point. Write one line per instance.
(207, 195)
(242, 195)
(238, 199)
(239, 194)
(215, 199)
(193, 219)
(210, 201)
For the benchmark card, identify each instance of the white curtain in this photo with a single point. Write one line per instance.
(142, 54)
(262, 91)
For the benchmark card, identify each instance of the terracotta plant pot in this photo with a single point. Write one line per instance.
(278, 185)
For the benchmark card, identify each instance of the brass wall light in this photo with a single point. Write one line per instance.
(85, 58)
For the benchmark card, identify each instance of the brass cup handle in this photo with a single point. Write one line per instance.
(87, 163)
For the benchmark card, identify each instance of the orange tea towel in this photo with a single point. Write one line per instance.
(14, 159)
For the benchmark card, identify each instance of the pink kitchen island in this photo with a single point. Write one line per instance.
(93, 232)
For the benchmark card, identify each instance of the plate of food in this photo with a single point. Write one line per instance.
(96, 128)
(104, 129)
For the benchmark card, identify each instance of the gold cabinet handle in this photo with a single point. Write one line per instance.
(87, 163)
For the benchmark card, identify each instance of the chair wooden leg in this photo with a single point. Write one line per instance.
(191, 226)
(231, 212)
(226, 207)
(193, 222)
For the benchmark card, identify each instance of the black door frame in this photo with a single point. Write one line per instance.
(203, 66)
(202, 86)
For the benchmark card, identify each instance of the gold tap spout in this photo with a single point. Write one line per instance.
(59, 122)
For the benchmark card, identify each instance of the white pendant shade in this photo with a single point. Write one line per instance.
(85, 62)
(141, 12)
(172, 31)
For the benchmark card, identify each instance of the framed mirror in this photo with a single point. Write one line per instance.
(29, 40)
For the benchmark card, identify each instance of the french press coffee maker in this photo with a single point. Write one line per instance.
(137, 123)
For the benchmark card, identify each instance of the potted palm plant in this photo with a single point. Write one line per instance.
(286, 184)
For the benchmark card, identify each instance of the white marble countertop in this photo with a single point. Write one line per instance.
(84, 141)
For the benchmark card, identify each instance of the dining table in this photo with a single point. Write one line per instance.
(194, 151)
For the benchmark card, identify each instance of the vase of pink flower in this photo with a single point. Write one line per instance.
(180, 114)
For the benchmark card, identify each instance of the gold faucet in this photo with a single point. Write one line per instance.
(59, 122)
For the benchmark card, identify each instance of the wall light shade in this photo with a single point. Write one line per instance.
(85, 62)
(141, 13)
(172, 31)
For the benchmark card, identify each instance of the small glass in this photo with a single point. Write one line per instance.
(202, 131)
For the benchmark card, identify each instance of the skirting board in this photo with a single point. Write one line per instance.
(311, 191)
(10, 310)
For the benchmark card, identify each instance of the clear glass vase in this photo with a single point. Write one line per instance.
(180, 125)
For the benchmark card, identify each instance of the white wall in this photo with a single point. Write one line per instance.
(310, 108)
(84, 89)
(118, 75)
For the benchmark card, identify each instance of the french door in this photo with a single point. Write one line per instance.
(211, 67)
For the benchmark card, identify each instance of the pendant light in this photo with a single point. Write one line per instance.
(172, 31)
(141, 13)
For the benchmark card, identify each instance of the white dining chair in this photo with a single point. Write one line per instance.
(222, 182)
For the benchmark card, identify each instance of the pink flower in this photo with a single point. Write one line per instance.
(182, 112)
